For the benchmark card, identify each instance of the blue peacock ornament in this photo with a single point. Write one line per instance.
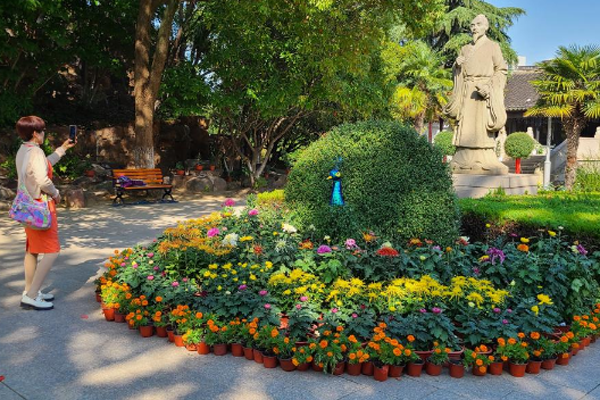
(337, 199)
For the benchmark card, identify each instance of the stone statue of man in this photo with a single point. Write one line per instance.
(477, 103)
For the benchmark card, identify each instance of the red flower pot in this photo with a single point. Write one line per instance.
(212, 167)
(109, 314)
(395, 371)
(586, 341)
(119, 317)
(479, 370)
(517, 370)
(248, 353)
(339, 368)
(353, 369)
(381, 373)
(161, 331)
(98, 297)
(563, 359)
(191, 347)
(178, 340)
(316, 367)
(286, 364)
(146, 330)
(549, 364)
(258, 357)
(237, 350)
(457, 370)
(414, 369)
(575, 349)
(496, 368)
(220, 349)
(533, 367)
(424, 354)
(562, 329)
(432, 369)
(199, 167)
(269, 361)
(303, 366)
(180, 172)
(170, 335)
(367, 368)
(203, 348)
(456, 355)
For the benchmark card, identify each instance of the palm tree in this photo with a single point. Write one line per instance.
(422, 82)
(569, 89)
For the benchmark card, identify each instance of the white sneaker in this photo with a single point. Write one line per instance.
(45, 296)
(37, 304)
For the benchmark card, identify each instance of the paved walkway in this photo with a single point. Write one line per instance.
(72, 353)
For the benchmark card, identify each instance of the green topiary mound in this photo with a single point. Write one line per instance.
(394, 184)
(519, 145)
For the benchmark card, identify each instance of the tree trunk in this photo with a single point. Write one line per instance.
(573, 126)
(148, 78)
(420, 123)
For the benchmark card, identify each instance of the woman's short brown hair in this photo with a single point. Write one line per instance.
(27, 125)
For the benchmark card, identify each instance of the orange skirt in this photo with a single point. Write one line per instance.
(44, 241)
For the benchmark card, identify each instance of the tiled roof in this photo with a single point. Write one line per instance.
(520, 94)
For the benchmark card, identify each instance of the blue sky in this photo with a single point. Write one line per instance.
(549, 24)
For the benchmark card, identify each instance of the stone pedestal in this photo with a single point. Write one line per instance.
(476, 186)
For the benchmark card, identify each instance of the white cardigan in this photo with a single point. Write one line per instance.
(36, 176)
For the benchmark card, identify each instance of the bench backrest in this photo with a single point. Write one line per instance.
(149, 176)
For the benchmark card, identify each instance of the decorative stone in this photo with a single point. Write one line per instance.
(199, 184)
(75, 198)
(6, 193)
(219, 184)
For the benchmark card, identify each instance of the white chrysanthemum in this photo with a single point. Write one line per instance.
(280, 245)
(289, 228)
(231, 239)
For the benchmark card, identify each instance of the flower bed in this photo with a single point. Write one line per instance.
(251, 278)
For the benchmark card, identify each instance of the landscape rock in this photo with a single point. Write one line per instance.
(199, 184)
(218, 184)
(75, 198)
(6, 193)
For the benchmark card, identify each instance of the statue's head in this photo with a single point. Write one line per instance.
(479, 26)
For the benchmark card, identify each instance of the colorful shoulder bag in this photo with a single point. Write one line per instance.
(25, 209)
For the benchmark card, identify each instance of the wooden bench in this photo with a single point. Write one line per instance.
(153, 179)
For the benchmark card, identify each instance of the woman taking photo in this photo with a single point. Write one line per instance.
(36, 169)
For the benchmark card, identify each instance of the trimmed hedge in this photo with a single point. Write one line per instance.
(525, 215)
(393, 182)
(519, 145)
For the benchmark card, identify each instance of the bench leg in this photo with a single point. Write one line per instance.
(119, 198)
(168, 193)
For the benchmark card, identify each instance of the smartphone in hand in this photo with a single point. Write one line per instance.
(72, 133)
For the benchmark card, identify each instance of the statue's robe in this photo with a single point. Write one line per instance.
(478, 119)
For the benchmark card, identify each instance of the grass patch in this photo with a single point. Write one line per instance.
(578, 213)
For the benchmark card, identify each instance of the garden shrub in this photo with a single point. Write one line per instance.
(588, 177)
(519, 145)
(393, 182)
(443, 141)
(273, 198)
